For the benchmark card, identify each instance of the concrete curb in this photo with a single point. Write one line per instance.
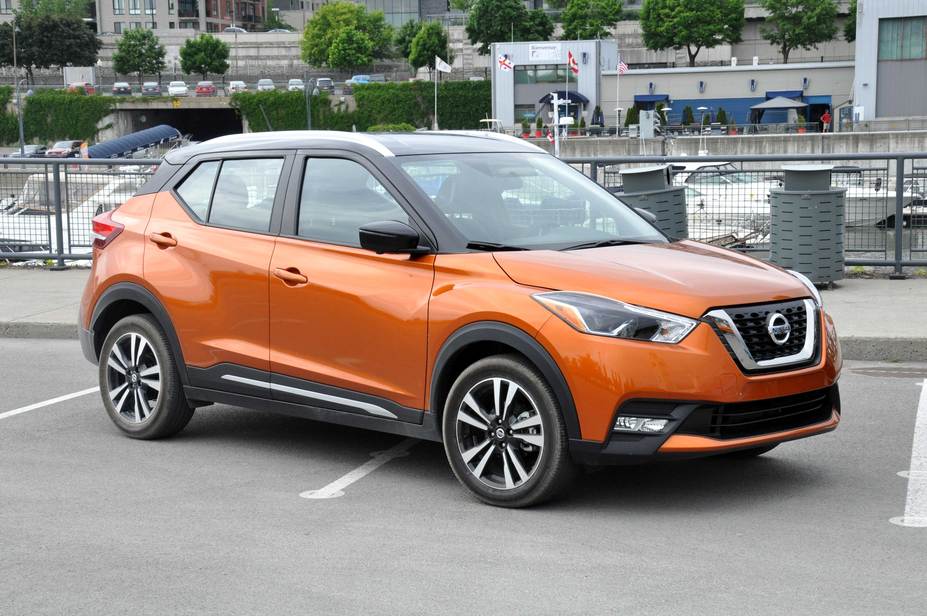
(853, 347)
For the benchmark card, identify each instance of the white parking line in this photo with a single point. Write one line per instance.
(38, 405)
(336, 488)
(915, 509)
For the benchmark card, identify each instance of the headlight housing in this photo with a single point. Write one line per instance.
(601, 316)
(811, 288)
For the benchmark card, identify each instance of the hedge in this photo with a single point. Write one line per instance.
(287, 111)
(52, 114)
(402, 127)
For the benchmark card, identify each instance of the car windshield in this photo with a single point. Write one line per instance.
(63, 144)
(177, 83)
(524, 200)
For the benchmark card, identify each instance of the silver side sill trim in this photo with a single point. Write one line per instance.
(367, 407)
(725, 325)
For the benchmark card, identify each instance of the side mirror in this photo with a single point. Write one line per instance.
(390, 237)
(648, 216)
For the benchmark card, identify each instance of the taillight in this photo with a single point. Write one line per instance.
(105, 229)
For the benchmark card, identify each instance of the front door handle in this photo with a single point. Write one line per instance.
(164, 240)
(290, 275)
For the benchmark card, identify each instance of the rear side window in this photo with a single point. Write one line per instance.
(197, 188)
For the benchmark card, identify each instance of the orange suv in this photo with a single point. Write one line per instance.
(466, 288)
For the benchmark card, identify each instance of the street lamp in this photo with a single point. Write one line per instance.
(703, 149)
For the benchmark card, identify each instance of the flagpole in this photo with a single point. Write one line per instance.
(566, 90)
(436, 94)
(618, 97)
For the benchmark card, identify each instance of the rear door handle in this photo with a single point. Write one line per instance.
(164, 240)
(290, 275)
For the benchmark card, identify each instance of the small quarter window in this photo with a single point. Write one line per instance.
(244, 196)
(197, 188)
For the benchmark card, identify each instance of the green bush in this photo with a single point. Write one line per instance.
(633, 116)
(688, 116)
(721, 118)
(51, 115)
(402, 127)
(287, 111)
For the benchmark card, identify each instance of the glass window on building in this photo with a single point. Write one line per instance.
(6, 7)
(117, 27)
(903, 38)
(170, 9)
(135, 7)
(543, 73)
(525, 112)
(119, 7)
(150, 8)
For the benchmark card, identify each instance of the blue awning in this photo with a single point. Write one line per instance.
(784, 94)
(818, 99)
(573, 97)
(133, 142)
(650, 98)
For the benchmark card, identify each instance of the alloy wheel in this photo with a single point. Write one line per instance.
(500, 433)
(133, 377)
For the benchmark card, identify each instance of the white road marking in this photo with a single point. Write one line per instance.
(915, 509)
(38, 405)
(336, 488)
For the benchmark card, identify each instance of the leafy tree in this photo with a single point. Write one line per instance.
(350, 49)
(693, 25)
(329, 21)
(430, 41)
(139, 51)
(633, 117)
(46, 41)
(721, 118)
(849, 27)
(58, 8)
(493, 21)
(204, 54)
(272, 19)
(794, 24)
(590, 19)
(462, 5)
(688, 116)
(404, 35)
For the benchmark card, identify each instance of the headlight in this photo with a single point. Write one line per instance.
(593, 314)
(811, 288)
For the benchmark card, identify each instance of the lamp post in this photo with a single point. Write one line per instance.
(19, 102)
(703, 149)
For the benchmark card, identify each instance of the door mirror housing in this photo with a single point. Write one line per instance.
(648, 216)
(390, 237)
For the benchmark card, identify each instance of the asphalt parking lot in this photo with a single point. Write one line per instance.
(212, 522)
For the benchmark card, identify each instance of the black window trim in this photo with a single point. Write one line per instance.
(276, 214)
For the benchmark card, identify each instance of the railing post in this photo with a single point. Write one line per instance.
(59, 217)
(899, 219)
(594, 171)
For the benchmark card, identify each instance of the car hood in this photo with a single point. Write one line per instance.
(686, 278)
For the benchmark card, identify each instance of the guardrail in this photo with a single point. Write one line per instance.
(47, 204)
(727, 199)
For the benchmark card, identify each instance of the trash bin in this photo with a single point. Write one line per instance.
(650, 188)
(806, 223)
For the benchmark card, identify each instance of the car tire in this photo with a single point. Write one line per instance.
(504, 435)
(753, 452)
(139, 381)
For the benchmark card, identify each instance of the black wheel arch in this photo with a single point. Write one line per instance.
(120, 300)
(497, 337)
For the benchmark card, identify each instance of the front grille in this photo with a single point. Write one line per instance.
(744, 419)
(751, 323)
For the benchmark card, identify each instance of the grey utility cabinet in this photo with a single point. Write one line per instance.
(806, 223)
(650, 188)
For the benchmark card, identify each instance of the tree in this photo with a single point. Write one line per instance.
(590, 19)
(139, 51)
(794, 24)
(272, 19)
(493, 21)
(430, 41)
(633, 117)
(350, 49)
(204, 54)
(849, 27)
(721, 118)
(46, 41)
(404, 35)
(688, 116)
(331, 19)
(677, 24)
(462, 5)
(58, 8)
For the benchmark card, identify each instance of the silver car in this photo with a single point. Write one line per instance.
(265, 85)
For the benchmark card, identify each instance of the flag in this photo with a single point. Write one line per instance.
(550, 135)
(441, 65)
(574, 65)
(505, 64)
(622, 68)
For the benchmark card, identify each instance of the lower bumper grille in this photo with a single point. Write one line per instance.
(745, 419)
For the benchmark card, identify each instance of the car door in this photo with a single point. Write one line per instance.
(348, 327)
(210, 242)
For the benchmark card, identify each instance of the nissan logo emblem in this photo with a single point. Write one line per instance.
(778, 327)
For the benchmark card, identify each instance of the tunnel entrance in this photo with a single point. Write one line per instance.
(200, 124)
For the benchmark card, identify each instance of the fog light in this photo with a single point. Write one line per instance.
(640, 424)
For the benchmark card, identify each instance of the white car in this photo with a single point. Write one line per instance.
(295, 85)
(265, 85)
(177, 88)
(237, 86)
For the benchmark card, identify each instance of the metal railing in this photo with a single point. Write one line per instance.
(47, 204)
(727, 200)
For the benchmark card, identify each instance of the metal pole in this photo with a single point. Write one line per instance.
(436, 95)
(556, 103)
(19, 119)
(308, 96)
(59, 217)
(899, 218)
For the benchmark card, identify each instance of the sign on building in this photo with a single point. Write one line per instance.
(544, 52)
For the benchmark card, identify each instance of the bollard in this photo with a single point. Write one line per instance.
(649, 188)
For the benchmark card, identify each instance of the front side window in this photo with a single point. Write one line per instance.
(524, 200)
(338, 197)
(197, 188)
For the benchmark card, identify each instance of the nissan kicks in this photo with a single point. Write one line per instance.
(466, 288)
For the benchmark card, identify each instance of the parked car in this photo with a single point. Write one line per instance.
(237, 86)
(295, 85)
(464, 288)
(151, 88)
(29, 151)
(69, 148)
(265, 85)
(235, 30)
(359, 79)
(205, 88)
(325, 84)
(122, 88)
(177, 88)
(82, 86)
(280, 31)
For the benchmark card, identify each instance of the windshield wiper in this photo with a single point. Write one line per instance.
(493, 246)
(603, 243)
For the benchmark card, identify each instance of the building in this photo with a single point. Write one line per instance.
(117, 16)
(541, 68)
(891, 60)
